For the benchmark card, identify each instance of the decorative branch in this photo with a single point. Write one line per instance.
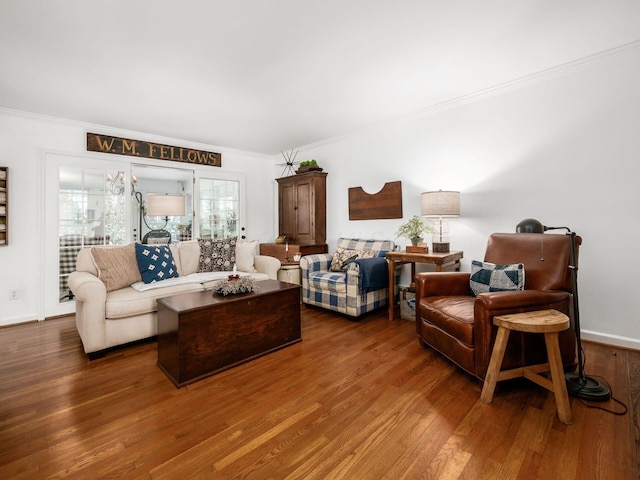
(242, 285)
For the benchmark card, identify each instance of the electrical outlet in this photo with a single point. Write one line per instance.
(14, 294)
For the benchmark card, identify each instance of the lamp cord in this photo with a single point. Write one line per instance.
(619, 402)
(603, 380)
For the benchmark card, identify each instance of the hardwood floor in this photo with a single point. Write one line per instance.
(353, 400)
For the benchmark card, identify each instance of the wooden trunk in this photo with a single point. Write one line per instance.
(201, 333)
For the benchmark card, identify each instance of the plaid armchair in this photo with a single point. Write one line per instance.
(344, 292)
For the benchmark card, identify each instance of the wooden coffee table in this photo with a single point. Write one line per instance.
(202, 333)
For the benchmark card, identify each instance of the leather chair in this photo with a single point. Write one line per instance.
(459, 325)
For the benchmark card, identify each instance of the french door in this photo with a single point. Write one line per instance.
(84, 206)
(91, 201)
(220, 206)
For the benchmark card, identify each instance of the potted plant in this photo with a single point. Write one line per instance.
(413, 230)
(307, 166)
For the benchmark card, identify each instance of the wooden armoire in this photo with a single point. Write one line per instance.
(302, 208)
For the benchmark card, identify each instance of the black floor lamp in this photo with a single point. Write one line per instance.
(578, 384)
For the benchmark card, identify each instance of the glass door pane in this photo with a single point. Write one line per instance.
(219, 208)
(148, 181)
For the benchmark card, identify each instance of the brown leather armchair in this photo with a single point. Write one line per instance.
(459, 325)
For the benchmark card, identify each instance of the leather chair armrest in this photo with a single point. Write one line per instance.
(498, 303)
(435, 284)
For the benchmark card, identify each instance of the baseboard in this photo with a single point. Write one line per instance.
(618, 341)
(5, 322)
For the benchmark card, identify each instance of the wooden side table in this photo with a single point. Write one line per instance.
(278, 251)
(548, 322)
(444, 262)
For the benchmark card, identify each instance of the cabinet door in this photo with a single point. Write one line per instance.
(287, 218)
(304, 212)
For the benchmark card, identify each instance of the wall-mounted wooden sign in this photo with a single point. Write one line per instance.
(139, 148)
(387, 203)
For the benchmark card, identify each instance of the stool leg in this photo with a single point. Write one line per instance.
(557, 377)
(494, 365)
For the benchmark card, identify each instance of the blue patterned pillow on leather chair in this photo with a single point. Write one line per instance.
(489, 277)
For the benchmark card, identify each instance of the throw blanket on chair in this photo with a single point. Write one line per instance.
(374, 274)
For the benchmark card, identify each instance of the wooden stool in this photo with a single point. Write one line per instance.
(549, 322)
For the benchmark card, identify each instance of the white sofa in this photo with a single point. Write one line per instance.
(106, 319)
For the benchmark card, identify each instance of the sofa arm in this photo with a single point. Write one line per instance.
(352, 274)
(268, 265)
(435, 284)
(91, 300)
(87, 287)
(315, 263)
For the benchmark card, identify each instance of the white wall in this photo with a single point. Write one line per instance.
(563, 149)
(25, 140)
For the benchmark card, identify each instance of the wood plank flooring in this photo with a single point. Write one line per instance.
(352, 401)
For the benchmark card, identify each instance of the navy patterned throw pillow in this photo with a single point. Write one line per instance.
(489, 277)
(155, 262)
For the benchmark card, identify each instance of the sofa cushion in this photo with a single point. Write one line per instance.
(452, 315)
(489, 277)
(343, 256)
(333, 281)
(128, 302)
(155, 262)
(189, 257)
(117, 266)
(245, 251)
(217, 255)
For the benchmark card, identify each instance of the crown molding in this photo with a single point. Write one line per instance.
(533, 78)
(564, 69)
(116, 131)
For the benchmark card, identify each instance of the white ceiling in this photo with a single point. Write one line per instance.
(270, 75)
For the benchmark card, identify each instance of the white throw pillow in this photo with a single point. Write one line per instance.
(244, 256)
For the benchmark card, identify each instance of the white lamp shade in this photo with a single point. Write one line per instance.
(441, 204)
(165, 205)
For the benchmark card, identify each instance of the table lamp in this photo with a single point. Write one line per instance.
(163, 205)
(441, 205)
